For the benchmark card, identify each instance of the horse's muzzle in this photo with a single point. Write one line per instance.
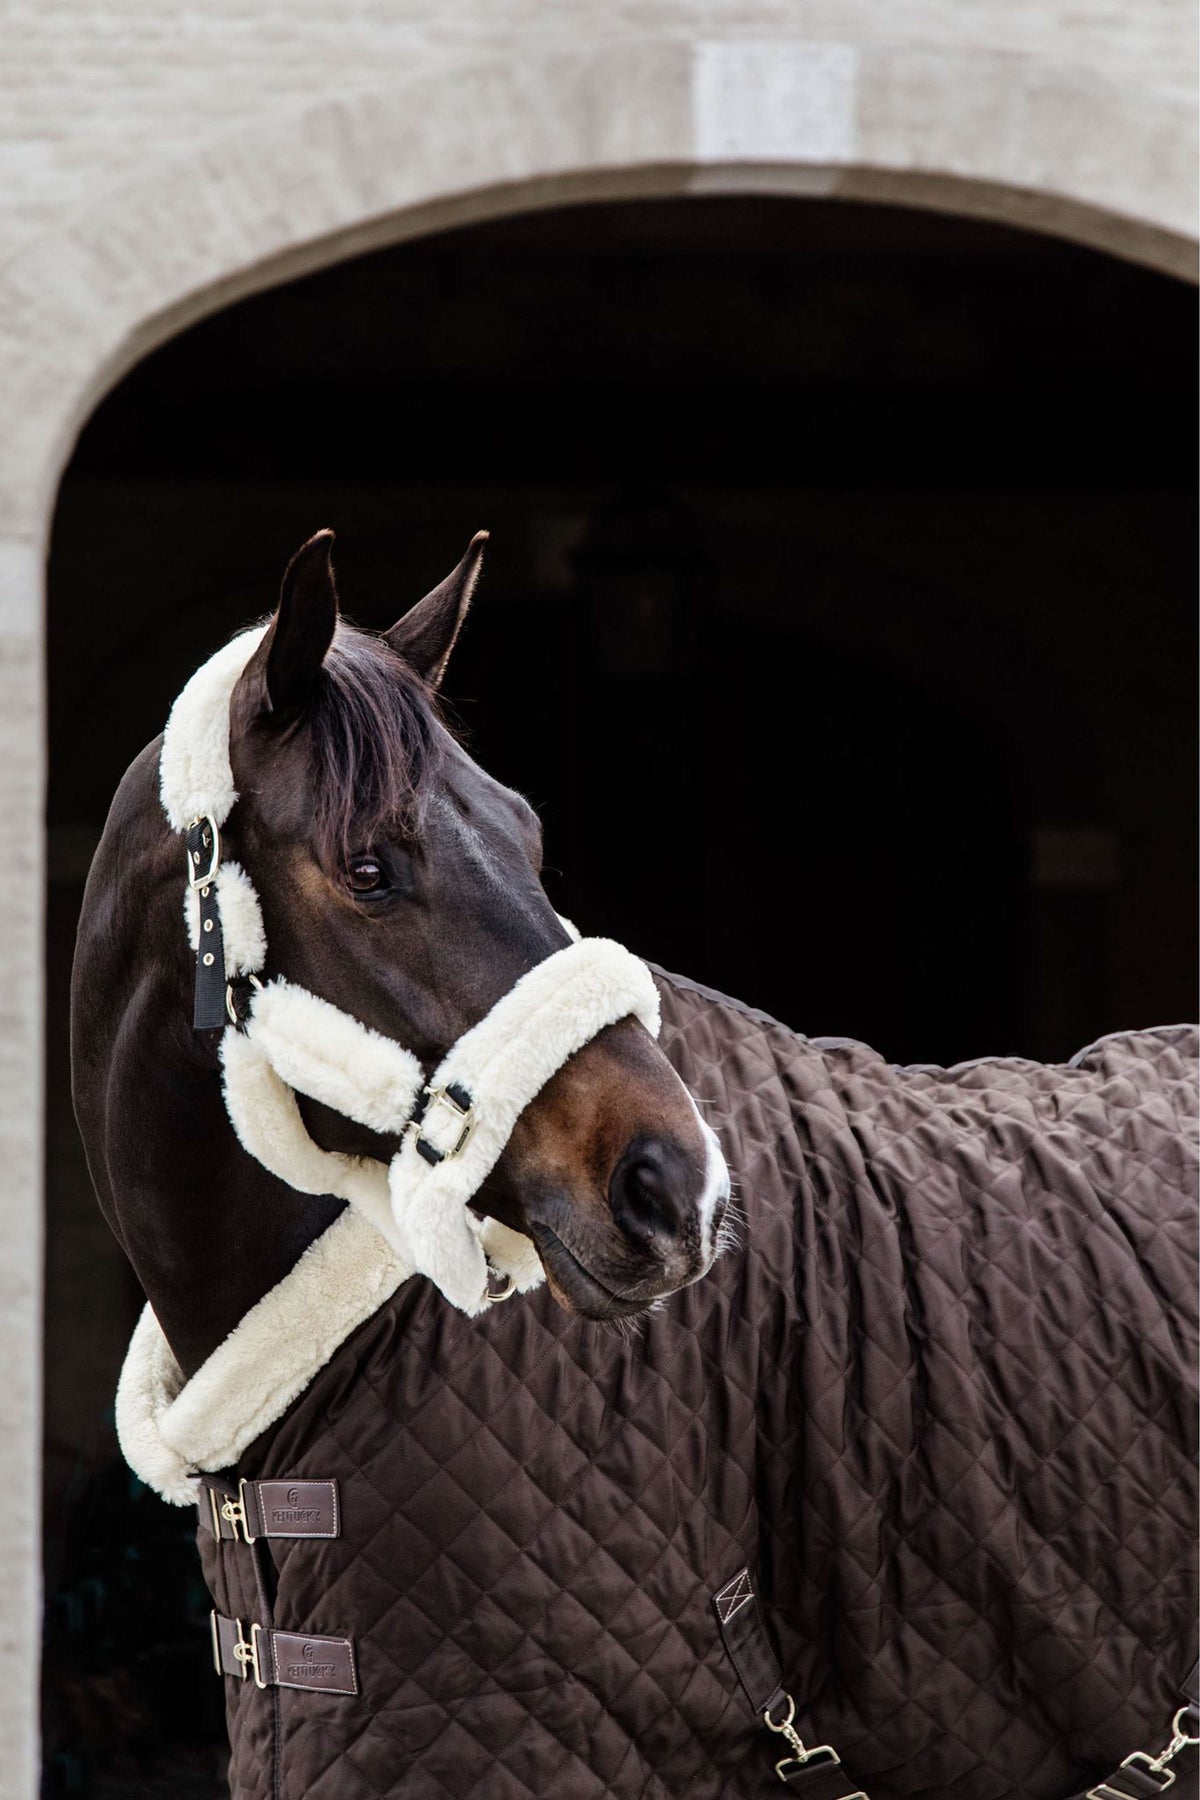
(668, 1210)
(663, 1230)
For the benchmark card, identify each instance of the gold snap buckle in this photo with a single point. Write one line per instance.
(1180, 1736)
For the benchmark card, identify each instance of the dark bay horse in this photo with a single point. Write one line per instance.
(938, 1413)
(400, 882)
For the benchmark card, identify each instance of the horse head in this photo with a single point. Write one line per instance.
(401, 883)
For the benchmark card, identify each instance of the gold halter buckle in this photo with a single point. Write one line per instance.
(198, 878)
(462, 1117)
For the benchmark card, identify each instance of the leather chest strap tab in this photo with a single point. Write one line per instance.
(282, 1658)
(270, 1509)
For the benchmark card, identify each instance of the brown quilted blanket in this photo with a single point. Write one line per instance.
(942, 1401)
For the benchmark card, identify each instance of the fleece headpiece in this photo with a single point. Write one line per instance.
(287, 1041)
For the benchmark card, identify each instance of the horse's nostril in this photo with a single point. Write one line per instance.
(651, 1191)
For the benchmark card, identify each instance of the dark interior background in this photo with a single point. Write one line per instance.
(838, 618)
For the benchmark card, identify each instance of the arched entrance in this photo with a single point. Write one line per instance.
(967, 130)
(818, 663)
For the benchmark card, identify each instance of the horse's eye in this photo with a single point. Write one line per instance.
(363, 875)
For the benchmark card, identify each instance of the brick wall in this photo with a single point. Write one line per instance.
(91, 91)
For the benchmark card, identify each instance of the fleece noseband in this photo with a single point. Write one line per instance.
(279, 1040)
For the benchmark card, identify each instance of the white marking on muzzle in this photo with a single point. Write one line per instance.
(715, 1191)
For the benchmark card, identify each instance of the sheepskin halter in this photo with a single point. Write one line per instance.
(279, 1040)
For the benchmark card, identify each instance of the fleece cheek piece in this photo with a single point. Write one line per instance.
(502, 1064)
(297, 1043)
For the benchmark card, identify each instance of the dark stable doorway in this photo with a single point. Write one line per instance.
(838, 617)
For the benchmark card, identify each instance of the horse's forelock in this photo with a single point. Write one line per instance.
(373, 738)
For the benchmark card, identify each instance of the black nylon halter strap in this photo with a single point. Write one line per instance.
(203, 862)
(219, 1002)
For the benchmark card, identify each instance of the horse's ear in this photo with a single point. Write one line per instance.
(290, 656)
(425, 636)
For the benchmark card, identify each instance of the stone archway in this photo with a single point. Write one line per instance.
(993, 133)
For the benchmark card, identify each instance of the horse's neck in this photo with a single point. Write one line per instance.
(207, 1230)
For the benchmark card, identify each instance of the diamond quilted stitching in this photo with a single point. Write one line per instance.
(907, 1401)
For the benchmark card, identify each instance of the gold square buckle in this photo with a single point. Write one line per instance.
(198, 878)
(462, 1115)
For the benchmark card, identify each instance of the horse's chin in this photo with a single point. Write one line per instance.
(579, 1290)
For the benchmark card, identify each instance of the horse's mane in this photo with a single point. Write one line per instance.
(372, 728)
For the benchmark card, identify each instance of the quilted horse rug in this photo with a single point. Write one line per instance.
(938, 1409)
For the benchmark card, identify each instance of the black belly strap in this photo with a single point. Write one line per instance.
(812, 1770)
(816, 1770)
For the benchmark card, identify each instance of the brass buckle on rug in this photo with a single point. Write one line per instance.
(235, 1512)
(245, 1651)
(1153, 1767)
(801, 1757)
